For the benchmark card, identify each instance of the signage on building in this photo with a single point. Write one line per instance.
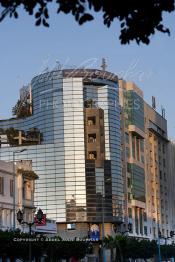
(43, 221)
(49, 227)
(94, 232)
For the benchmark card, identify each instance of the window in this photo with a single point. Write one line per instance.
(129, 168)
(164, 176)
(11, 187)
(136, 222)
(71, 226)
(129, 197)
(161, 189)
(0, 217)
(127, 138)
(154, 232)
(127, 152)
(93, 155)
(27, 193)
(138, 148)
(129, 181)
(1, 185)
(144, 216)
(91, 121)
(163, 148)
(91, 138)
(142, 145)
(160, 174)
(130, 212)
(163, 218)
(141, 221)
(167, 232)
(162, 204)
(133, 146)
(145, 230)
(166, 219)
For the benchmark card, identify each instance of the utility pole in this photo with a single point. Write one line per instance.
(14, 186)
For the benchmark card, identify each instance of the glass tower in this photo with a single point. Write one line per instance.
(72, 136)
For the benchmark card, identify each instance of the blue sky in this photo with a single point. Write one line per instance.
(26, 50)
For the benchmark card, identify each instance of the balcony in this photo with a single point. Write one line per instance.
(92, 138)
(136, 130)
(91, 121)
(92, 155)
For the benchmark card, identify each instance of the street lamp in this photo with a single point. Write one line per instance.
(14, 186)
(20, 218)
(158, 243)
(39, 217)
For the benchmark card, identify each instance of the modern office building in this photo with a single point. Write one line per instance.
(24, 192)
(69, 122)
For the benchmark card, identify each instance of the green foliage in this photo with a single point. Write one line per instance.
(130, 247)
(90, 103)
(139, 20)
(9, 246)
(11, 133)
(167, 251)
(21, 110)
(32, 137)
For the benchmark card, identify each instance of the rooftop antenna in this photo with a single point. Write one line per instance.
(103, 64)
(58, 65)
(163, 111)
(153, 102)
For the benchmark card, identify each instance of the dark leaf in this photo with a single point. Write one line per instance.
(46, 13)
(162, 29)
(37, 15)
(15, 14)
(122, 24)
(85, 18)
(142, 18)
(38, 22)
(45, 23)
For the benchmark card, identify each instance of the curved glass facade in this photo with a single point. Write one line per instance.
(70, 177)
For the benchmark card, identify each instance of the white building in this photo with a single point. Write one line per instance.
(24, 192)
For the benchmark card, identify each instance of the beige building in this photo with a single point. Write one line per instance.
(133, 136)
(24, 192)
(145, 157)
(171, 184)
(157, 173)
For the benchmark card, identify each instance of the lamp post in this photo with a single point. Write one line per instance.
(20, 217)
(103, 223)
(14, 186)
(122, 233)
(165, 238)
(103, 216)
(158, 243)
